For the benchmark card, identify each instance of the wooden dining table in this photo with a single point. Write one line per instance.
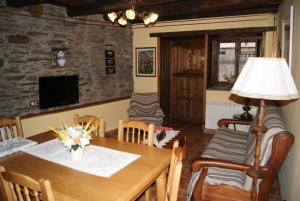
(69, 184)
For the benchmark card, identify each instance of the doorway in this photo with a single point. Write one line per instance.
(183, 67)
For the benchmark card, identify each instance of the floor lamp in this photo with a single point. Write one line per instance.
(264, 79)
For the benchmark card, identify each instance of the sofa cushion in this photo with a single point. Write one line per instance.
(227, 144)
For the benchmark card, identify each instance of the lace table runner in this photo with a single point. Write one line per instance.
(96, 160)
(170, 134)
(15, 144)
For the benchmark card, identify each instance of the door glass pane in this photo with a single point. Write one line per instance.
(248, 49)
(226, 62)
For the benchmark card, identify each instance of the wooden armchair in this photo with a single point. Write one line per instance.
(281, 144)
(19, 187)
(10, 128)
(97, 123)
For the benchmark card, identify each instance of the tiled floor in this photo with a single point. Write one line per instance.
(197, 141)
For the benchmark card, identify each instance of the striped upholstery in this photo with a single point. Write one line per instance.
(145, 107)
(239, 146)
(273, 122)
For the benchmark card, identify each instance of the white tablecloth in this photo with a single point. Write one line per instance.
(99, 161)
(15, 144)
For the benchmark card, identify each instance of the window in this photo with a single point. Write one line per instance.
(228, 59)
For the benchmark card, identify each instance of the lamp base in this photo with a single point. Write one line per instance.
(246, 116)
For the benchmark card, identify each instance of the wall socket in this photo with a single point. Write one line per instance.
(33, 103)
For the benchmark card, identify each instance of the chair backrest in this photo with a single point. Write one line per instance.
(98, 123)
(19, 187)
(136, 132)
(174, 173)
(10, 128)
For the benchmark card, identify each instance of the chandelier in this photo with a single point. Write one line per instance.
(122, 17)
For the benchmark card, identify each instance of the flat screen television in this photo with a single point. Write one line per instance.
(58, 91)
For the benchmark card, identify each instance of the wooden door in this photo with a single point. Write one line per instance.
(183, 73)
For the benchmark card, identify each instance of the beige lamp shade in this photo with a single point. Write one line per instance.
(130, 14)
(122, 21)
(153, 17)
(266, 78)
(112, 16)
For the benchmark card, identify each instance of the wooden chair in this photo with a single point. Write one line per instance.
(10, 128)
(19, 187)
(136, 132)
(99, 124)
(174, 173)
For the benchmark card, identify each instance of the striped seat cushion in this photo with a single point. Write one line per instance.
(148, 119)
(229, 145)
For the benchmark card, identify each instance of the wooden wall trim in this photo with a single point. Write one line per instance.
(74, 107)
(212, 32)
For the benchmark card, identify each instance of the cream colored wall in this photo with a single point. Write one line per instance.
(217, 96)
(289, 176)
(111, 112)
(141, 38)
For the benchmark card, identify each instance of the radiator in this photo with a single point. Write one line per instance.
(219, 110)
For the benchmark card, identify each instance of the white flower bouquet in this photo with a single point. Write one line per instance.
(76, 136)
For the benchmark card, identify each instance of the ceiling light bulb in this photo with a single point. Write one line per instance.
(130, 14)
(122, 21)
(112, 16)
(153, 17)
(147, 20)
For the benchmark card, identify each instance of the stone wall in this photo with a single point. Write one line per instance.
(26, 44)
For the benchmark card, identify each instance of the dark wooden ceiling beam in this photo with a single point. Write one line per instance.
(217, 32)
(206, 6)
(101, 7)
(23, 3)
(167, 9)
(98, 7)
(220, 13)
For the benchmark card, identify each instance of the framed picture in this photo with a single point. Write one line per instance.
(110, 62)
(110, 70)
(287, 37)
(145, 62)
(109, 54)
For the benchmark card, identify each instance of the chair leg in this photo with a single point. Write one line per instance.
(148, 194)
